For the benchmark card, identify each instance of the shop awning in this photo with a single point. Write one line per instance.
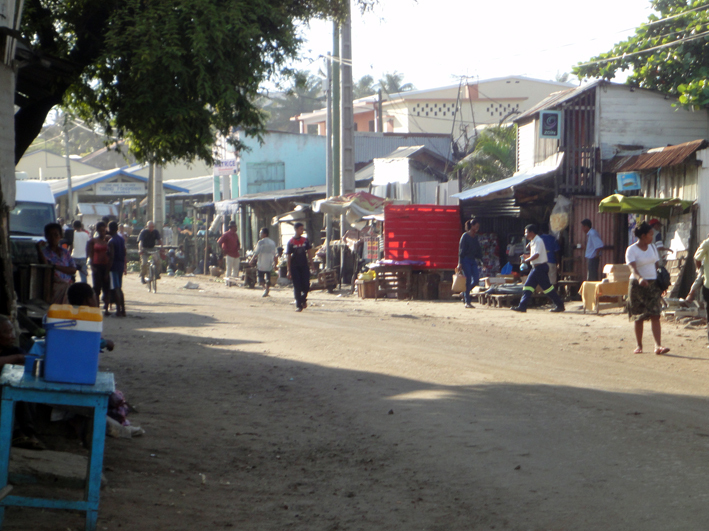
(506, 187)
(660, 208)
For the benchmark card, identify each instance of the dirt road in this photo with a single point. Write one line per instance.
(363, 415)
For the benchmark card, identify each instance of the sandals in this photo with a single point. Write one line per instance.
(661, 350)
(638, 350)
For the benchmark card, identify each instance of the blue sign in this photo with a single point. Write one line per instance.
(628, 181)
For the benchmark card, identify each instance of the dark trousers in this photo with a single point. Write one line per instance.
(592, 269)
(301, 284)
(539, 277)
(705, 294)
(472, 276)
(102, 283)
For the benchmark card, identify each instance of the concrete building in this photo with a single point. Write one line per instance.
(470, 106)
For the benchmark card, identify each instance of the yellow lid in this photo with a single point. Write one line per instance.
(78, 313)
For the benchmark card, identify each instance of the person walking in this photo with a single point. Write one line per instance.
(469, 252)
(148, 238)
(644, 296)
(265, 258)
(552, 247)
(539, 276)
(299, 264)
(116, 267)
(701, 260)
(78, 251)
(230, 244)
(97, 250)
(594, 244)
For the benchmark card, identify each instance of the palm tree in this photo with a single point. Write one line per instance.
(493, 156)
(391, 83)
(305, 94)
(364, 87)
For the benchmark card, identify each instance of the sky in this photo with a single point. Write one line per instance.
(436, 42)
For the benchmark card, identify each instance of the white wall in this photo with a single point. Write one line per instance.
(646, 118)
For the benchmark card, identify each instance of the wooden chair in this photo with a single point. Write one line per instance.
(569, 277)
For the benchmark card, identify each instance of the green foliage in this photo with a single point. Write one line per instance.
(305, 94)
(391, 83)
(364, 87)
(671, 56)
(169, 75)
(493, 156)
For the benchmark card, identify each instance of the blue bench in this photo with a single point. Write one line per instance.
(16, 387)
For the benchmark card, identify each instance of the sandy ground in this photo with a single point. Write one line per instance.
(363, 415)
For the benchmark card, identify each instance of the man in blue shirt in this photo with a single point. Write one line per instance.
(594, 244)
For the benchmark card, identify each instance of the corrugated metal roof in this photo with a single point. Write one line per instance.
(370, 146)
(557, 98)
(656, 158)
(195, 186)
(59, 186)
(505, 187)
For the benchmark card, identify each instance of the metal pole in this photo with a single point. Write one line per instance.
(69, 190)
(328, 163)
(336, 105)
(347, 180)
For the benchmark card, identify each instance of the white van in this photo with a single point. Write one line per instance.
(34, 208)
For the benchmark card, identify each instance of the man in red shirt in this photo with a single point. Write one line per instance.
(231, 247)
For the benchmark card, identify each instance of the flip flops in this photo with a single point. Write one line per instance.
(661, 350)
(638, 350)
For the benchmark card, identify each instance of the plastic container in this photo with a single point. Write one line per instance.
(73, 344)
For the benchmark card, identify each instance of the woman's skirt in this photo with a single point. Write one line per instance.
(643, 301)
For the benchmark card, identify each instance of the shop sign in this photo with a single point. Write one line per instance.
(120, 189)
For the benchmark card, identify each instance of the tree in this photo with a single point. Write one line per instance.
(493, 156)
(166, 75)
(304, 95)
(364, 87)
(391, 83)
(669, 53)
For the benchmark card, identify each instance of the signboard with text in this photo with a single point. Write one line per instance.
(224, 167)
(550, 124)
(134, 188)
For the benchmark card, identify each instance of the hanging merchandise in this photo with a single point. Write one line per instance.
(490, 265)
(559, 218)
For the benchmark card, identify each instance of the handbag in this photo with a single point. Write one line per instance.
(459, 283)
(663, 280)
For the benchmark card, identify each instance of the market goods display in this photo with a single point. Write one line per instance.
(559, 222)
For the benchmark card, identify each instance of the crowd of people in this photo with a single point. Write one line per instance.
(644, 300)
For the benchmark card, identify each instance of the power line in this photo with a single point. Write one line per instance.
(633, 54)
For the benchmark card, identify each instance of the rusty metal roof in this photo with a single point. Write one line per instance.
(557, 98)
(656, 158)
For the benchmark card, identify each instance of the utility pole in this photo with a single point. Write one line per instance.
(158, 199)
(380, 118)
(347, 179)
(151, 194)
(336, 105)
(69, 190)
(328, 162)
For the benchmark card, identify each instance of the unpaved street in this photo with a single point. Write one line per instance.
(390, 415)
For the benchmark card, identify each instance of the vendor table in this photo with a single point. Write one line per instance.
(18, 387)
(591, 292)
(393, 279)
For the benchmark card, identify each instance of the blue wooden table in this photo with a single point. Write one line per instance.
(16, 387)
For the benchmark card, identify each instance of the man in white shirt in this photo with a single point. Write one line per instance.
(594, 244)
(265, 255)
(78, 250)
(539, 276)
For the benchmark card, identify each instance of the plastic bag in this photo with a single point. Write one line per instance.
(459, 283)
(559, 218)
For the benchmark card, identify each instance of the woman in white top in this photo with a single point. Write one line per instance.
(644, 297)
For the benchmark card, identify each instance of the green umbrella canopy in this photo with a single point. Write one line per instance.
(659, 208)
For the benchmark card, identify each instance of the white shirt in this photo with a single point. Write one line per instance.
(644, 261)
(537, 246)
(167, 235)
(593, 244)
(266, 251)
(81, 238)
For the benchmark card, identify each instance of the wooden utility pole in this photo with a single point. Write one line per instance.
(336, 105)
(347, 178)
(69, 190)
(158, 199)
